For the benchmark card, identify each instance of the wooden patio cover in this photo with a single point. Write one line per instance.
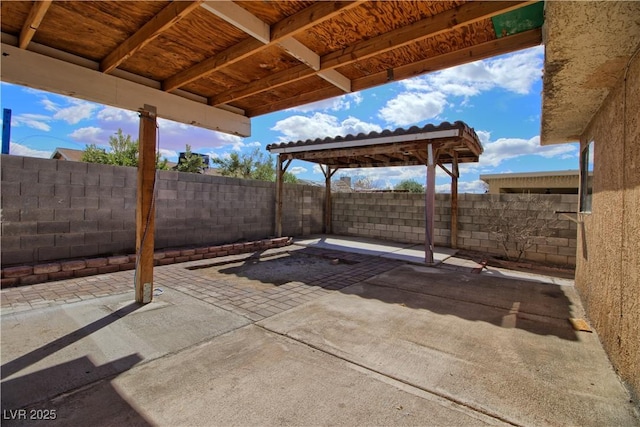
(216, 64)
(430, 146)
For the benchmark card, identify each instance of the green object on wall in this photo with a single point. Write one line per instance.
(519, 20)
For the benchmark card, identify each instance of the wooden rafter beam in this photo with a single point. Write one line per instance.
(164, 20)
(445, 169)
(33, 21)
(481, 51)
(452, 19)
(281, 104)
(463, 15)
(309, 17)
(285, 28)
(462, 56)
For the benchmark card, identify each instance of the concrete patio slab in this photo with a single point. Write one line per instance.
(408, 252)
(53, 350)
(347, 339)
(254, 377)
(503, 347)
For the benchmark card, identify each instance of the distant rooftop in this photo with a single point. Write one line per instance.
(67, 154)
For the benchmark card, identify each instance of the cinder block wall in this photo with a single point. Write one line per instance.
(389, 216)
(400, 217)
(56, 209)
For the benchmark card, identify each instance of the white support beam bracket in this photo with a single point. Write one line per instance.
(38, 71)
(239, 18)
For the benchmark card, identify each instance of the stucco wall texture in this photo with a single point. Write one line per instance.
(608, 256)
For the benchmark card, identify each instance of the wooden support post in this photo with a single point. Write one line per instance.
(429, 206)
(454, 200)
(279, 188)
(145, 207)
(327, 201)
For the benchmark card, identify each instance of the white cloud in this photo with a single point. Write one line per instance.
(413, 107)
(515, 72)
(169, 154)
(508, 148)
(426, 97)
(23, 150)
(343, 102)
(76, 112)
(35, 121)
(321, 125)
(49, 105)
(112, 114)
(237, 144)
(476, 186)
(297, 170)
(89, 135)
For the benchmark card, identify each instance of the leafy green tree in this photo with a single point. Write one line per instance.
(94, 154)
(190, 162)
(254, 165)
(409, 185)
(123, 151)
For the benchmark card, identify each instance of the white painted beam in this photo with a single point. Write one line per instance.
(251, 24)
(302, 53)
(336, 79)
(38, 71)
(240, 18)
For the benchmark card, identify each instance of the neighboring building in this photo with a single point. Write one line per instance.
(67, 154)
(557, 182)
(76, 156)
(591, 94)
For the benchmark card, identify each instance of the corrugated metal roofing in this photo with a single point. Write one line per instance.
(414, 130)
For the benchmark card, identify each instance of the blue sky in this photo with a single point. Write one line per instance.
(499, 97)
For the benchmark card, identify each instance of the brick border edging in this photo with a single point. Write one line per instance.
(39, 273)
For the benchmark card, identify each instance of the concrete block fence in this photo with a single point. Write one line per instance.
(55, 209)
(400, 217)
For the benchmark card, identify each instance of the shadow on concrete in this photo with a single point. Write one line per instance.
(23, 399)
(305, 265)
(538, 308)
(46, 383)
(507, 302)
(40, 353)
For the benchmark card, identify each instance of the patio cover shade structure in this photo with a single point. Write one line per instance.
(216, 64)
(430, 146)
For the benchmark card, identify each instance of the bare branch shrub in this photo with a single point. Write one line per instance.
(518, 222)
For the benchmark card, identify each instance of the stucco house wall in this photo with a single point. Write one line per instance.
(608, 256)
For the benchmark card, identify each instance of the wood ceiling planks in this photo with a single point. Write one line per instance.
(184, 45)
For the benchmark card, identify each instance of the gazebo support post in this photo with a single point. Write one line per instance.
(327, 201)
(281, 168)
(454, 200)
(429, 207)
(145, 206)
(328, 174)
